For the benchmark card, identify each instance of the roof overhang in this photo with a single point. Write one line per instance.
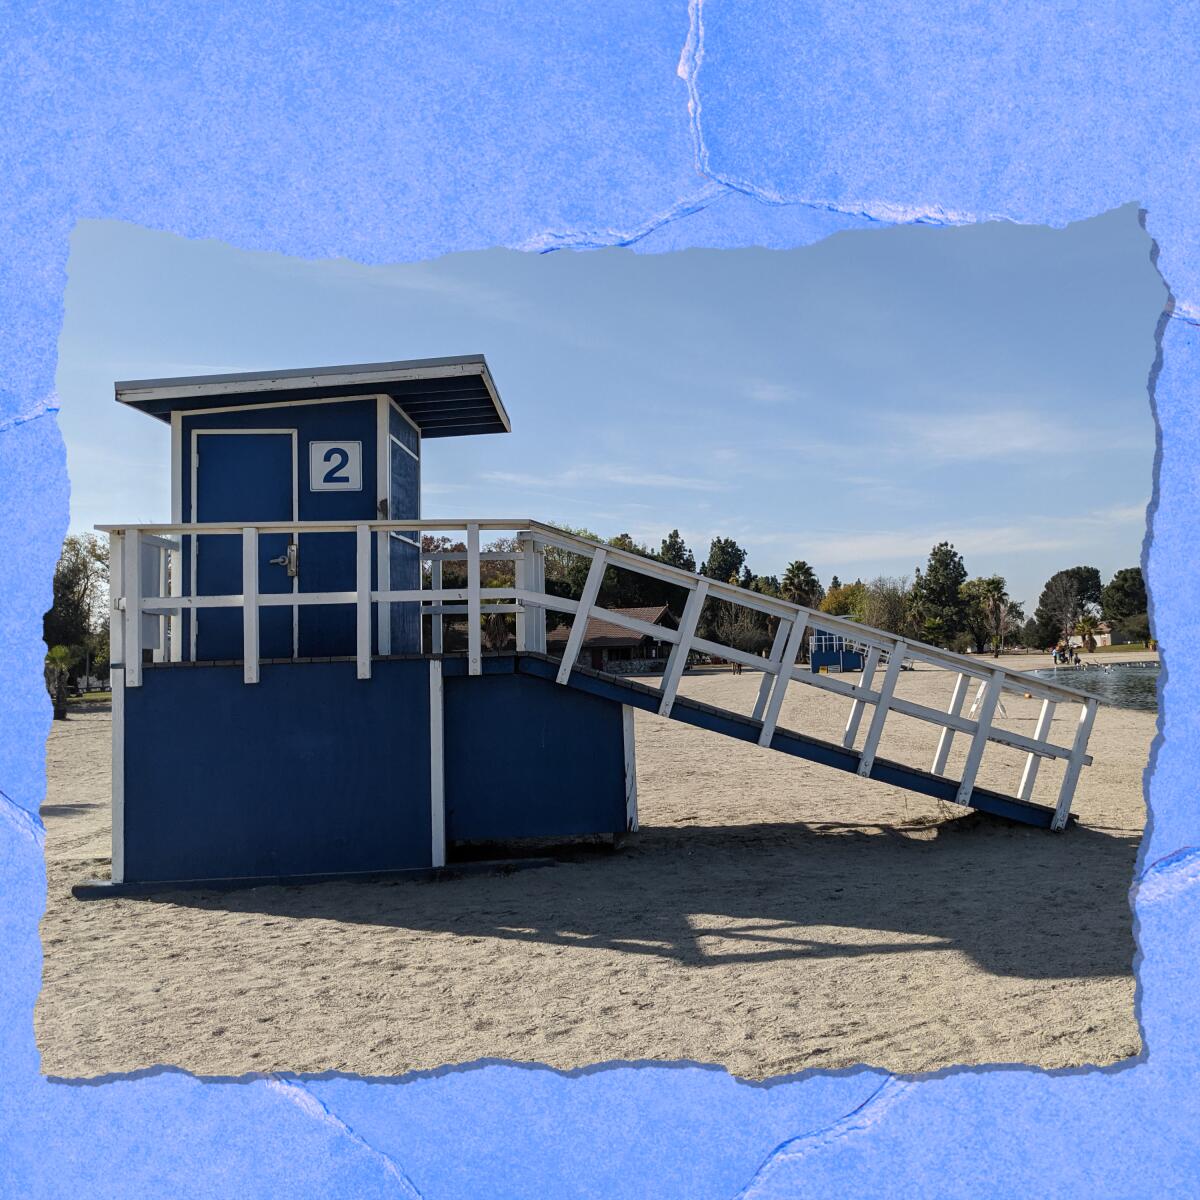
(443, 397)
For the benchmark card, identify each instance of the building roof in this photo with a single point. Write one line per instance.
(602, 634)
(443, 397)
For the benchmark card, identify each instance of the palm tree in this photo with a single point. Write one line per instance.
(56, 669)
(800, 585)
(1086, 628)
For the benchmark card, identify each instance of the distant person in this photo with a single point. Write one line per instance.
(1078, 660)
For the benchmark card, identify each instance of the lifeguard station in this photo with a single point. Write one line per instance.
(283, 705)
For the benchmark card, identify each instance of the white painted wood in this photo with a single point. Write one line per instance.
(520, 571)
(250, 648)
(865, 679)
(383, 488)
(631, 803)
(133, 607)
(771, 668)
(176, 581)
(176, 650)
(435, 623)
(437, 766)
(787, 667)
(363, 599)
(679, 652)
(1066, 791)
(878, 718)
(1033, 761)
(116, 597)
(117, 680)
(591, 589)
(535, 632)
(942, 755)
(474, 630)
(986, 701)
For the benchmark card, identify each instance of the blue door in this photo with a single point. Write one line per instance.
(247, 478)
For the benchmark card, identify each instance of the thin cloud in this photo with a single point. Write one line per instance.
(610, 474)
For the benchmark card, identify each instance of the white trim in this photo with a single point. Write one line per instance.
(986, 702)
(195, 445)
(362, 576)
(1041, 733)
(865, 679)
(879, 716)
(416, 428)
(474, 633)
(285, 381)
(437, 766)
(411, 453)
(250, 645)
(946, 739)
(1066, 791)
(117, 679)
(176, 649)
(579, 622)
(631, 802)
(677, 659)
(133, 608)
(771, 669)
(786, 668)
(383, 507)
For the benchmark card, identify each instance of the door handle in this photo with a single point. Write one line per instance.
(291, 560)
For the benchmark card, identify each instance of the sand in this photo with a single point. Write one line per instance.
(771, 916)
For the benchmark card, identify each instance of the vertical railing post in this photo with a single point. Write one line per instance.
(677, 660)
(986, 703)
(1041, 733)
(791, 650)
(886, 690)
(362, 534)
(535, 575)
(775, 658)
(435, 621)
(162, 652)
(961, 683)
(857, 707)
(579, 623)
(521, 583)
(250, 604)
(133, 608)
(474, 611)
(1066, 792)
(176, 569)
(116, 597)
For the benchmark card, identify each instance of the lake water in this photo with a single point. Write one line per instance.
(1127, 685)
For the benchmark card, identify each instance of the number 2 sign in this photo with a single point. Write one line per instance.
(335, 466)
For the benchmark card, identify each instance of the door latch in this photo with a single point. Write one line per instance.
(291, 560)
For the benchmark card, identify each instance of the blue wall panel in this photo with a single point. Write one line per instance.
(526, 758)
(308, 771)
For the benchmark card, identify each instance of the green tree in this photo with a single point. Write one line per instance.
(725, 560)
(1067, 596)
(887, 604)
(80, 592)
(1086, 629)
(801, 586)
(675, 553)
(992, 617)
(938, 607)
(834, 583)
(1124, 597)
(845, 600)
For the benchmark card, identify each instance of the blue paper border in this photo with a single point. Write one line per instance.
(400, 131)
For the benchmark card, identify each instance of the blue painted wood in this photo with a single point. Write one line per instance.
(242, 477)
(305, 772)
(528, 759)
(327, 560)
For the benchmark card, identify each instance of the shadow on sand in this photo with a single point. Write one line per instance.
(1021, 903)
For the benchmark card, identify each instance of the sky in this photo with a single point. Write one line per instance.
(849, 403)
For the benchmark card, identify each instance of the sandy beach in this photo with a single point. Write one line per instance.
(771, 916)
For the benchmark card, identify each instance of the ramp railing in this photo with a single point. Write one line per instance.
(148, 604)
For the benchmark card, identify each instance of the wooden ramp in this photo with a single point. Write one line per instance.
(786, 741)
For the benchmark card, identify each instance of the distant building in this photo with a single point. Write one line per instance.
(1105, 635)
(613, 648)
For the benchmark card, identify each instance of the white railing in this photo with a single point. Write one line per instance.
(528, 601)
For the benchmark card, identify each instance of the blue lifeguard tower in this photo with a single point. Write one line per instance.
(284, 708)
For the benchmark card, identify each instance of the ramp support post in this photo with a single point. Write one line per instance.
(579, 623)
(947, 739)
(790, 651)
(870, 666)
(679, 652)
(770, 677)
(879, 716)
(1041, 733)
(1087, 717)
